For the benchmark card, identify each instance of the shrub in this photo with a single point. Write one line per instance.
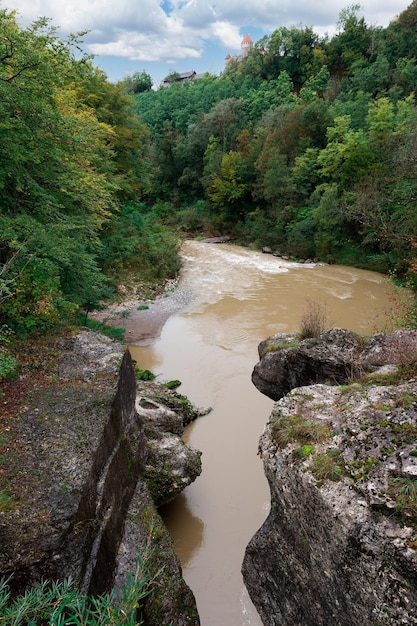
(9, 366)
(144, 374)
(403, 312)
(314, 320)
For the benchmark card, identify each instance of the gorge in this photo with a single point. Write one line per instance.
(239, 297)
(85, 445)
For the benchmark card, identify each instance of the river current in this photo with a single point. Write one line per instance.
(236, 298)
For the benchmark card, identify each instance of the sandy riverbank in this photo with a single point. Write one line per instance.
(144, 325)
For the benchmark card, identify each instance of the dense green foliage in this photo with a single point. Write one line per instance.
(306, 145)
(72, 173)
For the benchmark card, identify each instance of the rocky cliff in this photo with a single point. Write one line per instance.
(94, 449)
(340, 455)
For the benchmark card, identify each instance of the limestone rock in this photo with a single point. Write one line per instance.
(339, 545)
(336, 356)
(83, 449)
(330, 357)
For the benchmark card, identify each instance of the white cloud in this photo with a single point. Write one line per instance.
(166, 30)
(227, 34)
(136, 47)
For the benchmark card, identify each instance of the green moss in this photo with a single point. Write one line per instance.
(364, 466)
(161, 482)
(304, 451)
(144, 374)
(407, 432)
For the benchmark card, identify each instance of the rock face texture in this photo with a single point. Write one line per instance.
(340, 543)
(335, 357)
(86, 510)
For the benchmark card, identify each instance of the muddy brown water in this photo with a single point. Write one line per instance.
(235, 299)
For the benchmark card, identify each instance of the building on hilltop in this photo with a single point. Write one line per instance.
(246, 45)
(175, 77)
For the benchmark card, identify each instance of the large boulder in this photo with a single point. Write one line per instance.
(331, 357)
(339, 544)
(337, 356)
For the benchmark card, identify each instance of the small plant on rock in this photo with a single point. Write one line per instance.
(62, 603)
(314, 320)
(327, 465)
(404, 491)
(144, 374)
(296, 428)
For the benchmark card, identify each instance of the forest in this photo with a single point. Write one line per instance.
(308, 146)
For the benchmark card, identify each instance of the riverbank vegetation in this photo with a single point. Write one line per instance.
(305, 146)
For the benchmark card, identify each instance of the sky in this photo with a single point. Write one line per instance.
(158, 37)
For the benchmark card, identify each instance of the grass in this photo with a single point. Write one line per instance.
(296, 428)
(327, 465)
(61, 603)
(113, 332)
(404, 491)
(280, 344)
(314, 319)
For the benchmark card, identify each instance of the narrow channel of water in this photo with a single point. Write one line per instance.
(238, 298)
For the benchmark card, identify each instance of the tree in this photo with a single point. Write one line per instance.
(57, 180)
(173, 77)
(228, 188)
(353, 43)
(293, 50)
(347, 156)
(136, 83)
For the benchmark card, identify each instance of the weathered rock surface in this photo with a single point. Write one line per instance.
(170, 464)
(336, 356)
(339, 544)
(86, 510)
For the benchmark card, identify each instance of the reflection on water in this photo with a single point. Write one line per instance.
(240, 297)
(186, 527)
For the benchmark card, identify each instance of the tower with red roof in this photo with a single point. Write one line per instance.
(246, 46)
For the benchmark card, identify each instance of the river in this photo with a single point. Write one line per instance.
(236, 298)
